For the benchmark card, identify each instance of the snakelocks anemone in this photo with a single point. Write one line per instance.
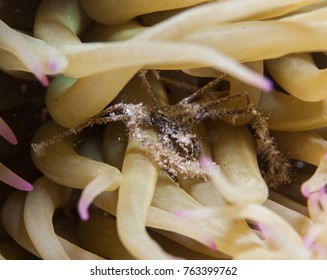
(163, 129)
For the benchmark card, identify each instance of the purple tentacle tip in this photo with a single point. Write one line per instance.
(267, 85)
(82, 209)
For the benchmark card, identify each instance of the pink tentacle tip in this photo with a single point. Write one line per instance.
(264, 230)
(259, 227)
(7, 133)
(83, 212)
(325, 156)
(267, 85)
(26, 186)
(211, 244)
(307, 241)
(305, 190)
(43, 80)
(206, 162)
(12, 179)
(40, 75)
(256, 227)
(182, 213)
(54, 66)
